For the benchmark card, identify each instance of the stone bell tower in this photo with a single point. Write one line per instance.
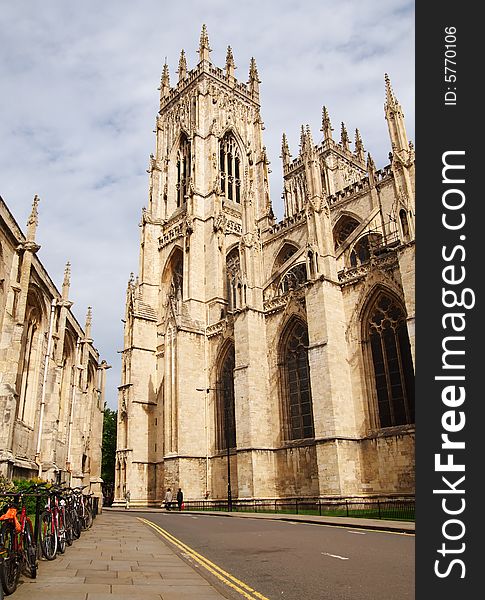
(208, 199)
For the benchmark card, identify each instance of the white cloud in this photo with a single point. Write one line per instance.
(80, 97)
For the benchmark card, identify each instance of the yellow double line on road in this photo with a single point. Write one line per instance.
(228, 579)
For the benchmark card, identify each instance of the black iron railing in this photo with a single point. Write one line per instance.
(400, 509)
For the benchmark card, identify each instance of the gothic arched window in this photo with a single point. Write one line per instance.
(363, 250)
(293, 278)
(284, 254)
(183, 170)
(28, 377)
(230, 168)
(233, 269)
(226, 418)
(295, 377)
(344, 227)
(67, 380)
(366, 247)
(403, 216)
(177, 285)
(392, 362)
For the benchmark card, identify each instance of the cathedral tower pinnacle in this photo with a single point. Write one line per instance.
(89, 321)
(359, 146)
(230, 65)
(344, 137)
(33, 220)
(182, 70)
(395, 120)
(165, 83)
(204, 48)
(326, 125)
(285, 151)
(66, 282)
(254, 80)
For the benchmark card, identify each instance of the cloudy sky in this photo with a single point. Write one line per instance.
(79, 101)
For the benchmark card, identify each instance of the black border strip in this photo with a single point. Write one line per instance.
(449, 123)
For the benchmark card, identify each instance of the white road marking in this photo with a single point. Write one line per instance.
(336, 556)
(357, 532)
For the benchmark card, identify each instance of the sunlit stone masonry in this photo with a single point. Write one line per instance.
(291, 343)
(51, 379)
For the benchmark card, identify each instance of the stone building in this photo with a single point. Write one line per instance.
(285, 348)
(51, 380)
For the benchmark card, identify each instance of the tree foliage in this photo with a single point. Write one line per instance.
(109, 445)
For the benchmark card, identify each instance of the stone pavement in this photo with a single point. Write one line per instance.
(118, 557)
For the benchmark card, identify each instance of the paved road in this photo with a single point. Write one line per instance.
(298, 561)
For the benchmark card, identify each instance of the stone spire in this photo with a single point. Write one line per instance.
(344, 137)
(395, 121)
(66, 284)
(230, 65)
(165, 82)
(326, 125)
(391, 101)
(309, 137)
(182, 70)
(204, 48)
(359, 146)
(89, 320)
(33, 220)
(371, 170)
(285, 151)
(253, 78)
(302, 139)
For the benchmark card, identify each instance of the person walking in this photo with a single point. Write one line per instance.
(127, 498)
(180, 498)
(168, 498)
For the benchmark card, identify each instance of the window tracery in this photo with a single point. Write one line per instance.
(366, 247)
(226, 418)
(233, 278)
(344, 227)
(293, 278)
(392, 362)
(183, 170)
(285, 254)
(295, 375)
(31, 349)
(230, 168)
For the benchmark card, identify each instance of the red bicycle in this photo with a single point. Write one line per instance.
(18, 544)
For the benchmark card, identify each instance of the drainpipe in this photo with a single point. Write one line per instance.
(44, 385)
(71, 415)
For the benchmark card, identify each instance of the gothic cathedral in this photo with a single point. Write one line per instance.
(282, 350)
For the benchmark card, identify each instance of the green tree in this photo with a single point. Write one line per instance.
(109, 446)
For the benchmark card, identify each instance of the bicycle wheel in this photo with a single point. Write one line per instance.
(69, 532)
(61, 533)
(10, 565)
(86, 519)
(48, 537)
(30, 550)
(76, 525)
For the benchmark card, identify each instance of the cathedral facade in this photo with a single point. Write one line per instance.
(51, 379)
(279, 354)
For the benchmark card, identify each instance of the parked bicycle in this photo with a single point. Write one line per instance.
(52, 524)
(82, 504)
(18, 544)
